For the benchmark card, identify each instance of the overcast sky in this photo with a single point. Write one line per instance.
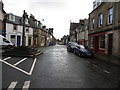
(56, 13)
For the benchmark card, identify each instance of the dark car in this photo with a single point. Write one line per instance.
(83, 51)
(71, 46)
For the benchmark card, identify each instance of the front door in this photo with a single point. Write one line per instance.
(110, 43)
(96, 44)
(18, 40)
(29, 41)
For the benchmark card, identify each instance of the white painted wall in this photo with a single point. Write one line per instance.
(18, 32)
(10, 31)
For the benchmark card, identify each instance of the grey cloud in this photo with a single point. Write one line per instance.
(47, 3)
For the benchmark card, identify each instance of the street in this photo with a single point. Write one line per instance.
(57, 68)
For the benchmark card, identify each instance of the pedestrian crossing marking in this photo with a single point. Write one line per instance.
(7, 58)
(26, 85)
(14, 83)
(12, 86)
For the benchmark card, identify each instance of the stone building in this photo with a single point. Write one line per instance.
(82, 32)
(104, 28)
(73, 32)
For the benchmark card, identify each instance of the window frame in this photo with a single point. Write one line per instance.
(92, 39)
(27, 29)
(110, 15)
(93, 23)
(15, 26)
(100, 20)
(102, 42)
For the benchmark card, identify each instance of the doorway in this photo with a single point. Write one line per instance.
(96, 44)
(29, 41)
(110, 44)
(18, 40)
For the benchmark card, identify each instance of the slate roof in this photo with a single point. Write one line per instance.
(18, 20)
(32, 23)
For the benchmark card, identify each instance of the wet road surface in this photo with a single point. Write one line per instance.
(57, 68)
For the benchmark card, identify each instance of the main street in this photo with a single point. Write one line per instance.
(57, 68)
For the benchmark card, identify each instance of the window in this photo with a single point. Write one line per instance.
(13, 39)
(100, 20)
(102, 41)
(110, 16)
(14, 27)
(12, 17)
(93, 23)
(5, 40)
(27, 29)
(92, 41)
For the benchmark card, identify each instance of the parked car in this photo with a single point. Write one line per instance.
(83, 51)
(4, 43)
(71, 46)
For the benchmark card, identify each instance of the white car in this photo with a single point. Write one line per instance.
(4, 43)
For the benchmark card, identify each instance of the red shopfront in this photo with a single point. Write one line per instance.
(96, 42)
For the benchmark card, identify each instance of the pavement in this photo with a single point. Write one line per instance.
(108, 58)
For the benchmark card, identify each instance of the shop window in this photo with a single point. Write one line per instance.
(102, 41)
(92, 41)
(13, 39)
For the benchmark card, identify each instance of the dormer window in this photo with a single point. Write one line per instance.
(11, 17)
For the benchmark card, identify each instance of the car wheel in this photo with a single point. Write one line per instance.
(9, 46)
(68, 50)
(79, 54)
(74, 52)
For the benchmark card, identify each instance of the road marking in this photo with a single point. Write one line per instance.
(15, 67)
(20, 61)
(106, 72)
(12, 86)
(7, 58)
(95, 65)
(87, 62)
(26, 85)
(30, 73)
(32, 66)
